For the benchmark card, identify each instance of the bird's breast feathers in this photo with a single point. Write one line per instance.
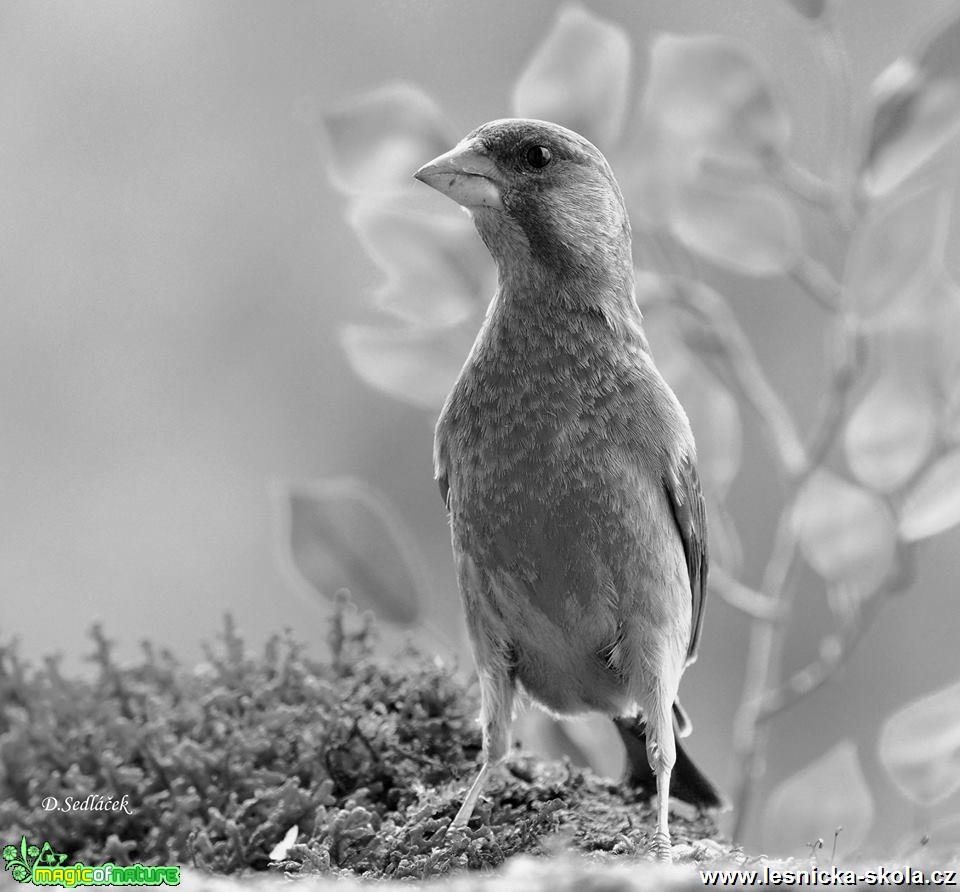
(558, 440)
(558, 510)
(567, 407)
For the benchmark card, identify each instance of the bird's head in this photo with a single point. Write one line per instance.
(541, 197)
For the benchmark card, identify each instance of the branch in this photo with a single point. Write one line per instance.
(848, 365)
(809, 188)
(835, 650)
(814, 278)
(742, 597)
(763, 661)
(764, 657)
(836, 60)
(801, 182)
(713, 332)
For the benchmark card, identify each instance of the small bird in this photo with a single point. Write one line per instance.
(567, 465)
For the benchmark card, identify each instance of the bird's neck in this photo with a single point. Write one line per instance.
(543, 295)
(546, 265)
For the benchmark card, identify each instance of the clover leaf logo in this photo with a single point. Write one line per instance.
(21, 861)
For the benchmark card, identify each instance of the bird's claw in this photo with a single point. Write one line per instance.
(662, 849)
(454, 832)
(459, 823)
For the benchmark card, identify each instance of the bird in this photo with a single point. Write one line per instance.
(568, 466)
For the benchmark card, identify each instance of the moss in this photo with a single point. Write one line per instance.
(367, 757)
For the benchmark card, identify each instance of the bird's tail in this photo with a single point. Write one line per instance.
(687, 782)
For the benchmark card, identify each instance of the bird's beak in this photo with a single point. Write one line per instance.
(466, 174)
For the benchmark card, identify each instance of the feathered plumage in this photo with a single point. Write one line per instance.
(565, 461)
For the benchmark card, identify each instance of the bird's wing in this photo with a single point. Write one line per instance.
(441, 460)
(689, 512)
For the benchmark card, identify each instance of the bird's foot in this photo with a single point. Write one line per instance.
(461, 820)
(661, 847)
(469, 803)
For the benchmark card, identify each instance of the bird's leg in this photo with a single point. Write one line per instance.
(473, 794)
(661, 753)
(661, 842)
(496, 709)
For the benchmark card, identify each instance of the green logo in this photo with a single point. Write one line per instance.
(43, 866)
(22, 861)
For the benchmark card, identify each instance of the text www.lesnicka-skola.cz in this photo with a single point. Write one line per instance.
(832, 876)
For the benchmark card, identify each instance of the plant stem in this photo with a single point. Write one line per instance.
(836, 61)
(765, 652)
(811, 189)
(763, 662)
(742, 597)
(814, 278)
(835, 650)
(712, 330)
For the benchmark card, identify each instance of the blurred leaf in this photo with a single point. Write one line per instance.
(343, 534)
(713, 412)
(751, 230)
(829, 793)
(920, 747)
(710, 94)
(893, 248)
(847, 534)
(578, 77)
(920, 328)
(915, 110)
(933, 503)
(415, 366)
(918, 333)
(437, 269)
(809, 9)
(892, 430)
(379, 139)
(652, 179)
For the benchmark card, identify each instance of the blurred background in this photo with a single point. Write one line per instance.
(176, 269)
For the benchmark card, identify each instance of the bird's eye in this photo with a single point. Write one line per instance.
(538, 157)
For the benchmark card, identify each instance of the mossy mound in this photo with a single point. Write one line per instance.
(369, 758)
